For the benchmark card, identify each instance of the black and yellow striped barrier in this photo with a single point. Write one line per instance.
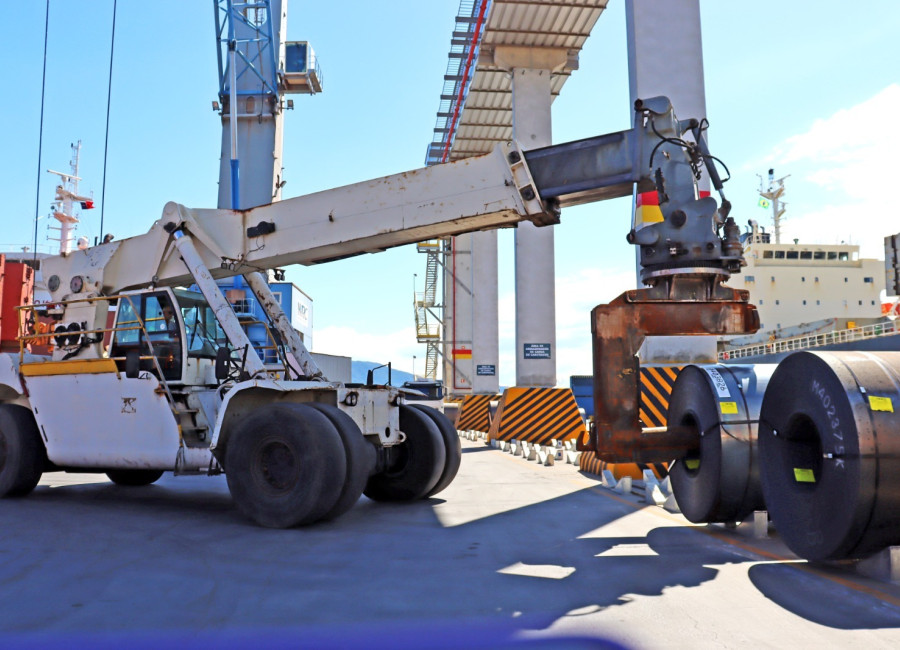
(451, 408)
(474, 414)
(537, 415)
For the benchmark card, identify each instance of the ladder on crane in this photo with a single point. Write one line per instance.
(428, 323)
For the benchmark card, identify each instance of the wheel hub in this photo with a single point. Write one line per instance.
(277, 466)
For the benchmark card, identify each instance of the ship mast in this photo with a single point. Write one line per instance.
(66, 197)
(771, 195)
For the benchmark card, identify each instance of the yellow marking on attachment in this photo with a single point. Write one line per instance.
(803, 475)
(728, 408)
(648, 214)
(881, 404)
(73, 367)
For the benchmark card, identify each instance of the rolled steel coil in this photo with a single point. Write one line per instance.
(718, 482)
(829, 444)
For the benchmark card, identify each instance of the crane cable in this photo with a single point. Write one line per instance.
(112, 47)
(37, 198)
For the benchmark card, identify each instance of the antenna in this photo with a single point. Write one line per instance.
(773, 193)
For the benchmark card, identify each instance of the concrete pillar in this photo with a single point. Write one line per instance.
(472, 347)
(485, 331)
(665, 54)
(665, 57)
(531, 70)
(470, 301)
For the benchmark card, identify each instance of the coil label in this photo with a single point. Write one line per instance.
(830, 411)
(728, 408)
(718, 382)
(881, 404)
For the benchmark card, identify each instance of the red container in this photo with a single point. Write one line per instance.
(16, 286)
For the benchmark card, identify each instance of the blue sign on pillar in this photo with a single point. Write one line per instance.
(537, 351)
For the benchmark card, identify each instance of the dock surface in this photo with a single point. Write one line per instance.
(512, 553)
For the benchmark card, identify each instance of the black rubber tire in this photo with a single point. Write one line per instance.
(414, 466)
(452, 447)
(285, 465)
(22, 452)
(134, 477)
(359, 453)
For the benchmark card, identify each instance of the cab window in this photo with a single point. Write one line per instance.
(203, 334)
(149, 319)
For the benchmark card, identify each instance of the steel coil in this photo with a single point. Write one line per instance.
(829, 444)
(719, 480)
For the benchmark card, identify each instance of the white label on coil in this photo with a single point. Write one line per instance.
(718, 381)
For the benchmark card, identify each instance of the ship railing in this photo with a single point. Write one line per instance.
(808, 341)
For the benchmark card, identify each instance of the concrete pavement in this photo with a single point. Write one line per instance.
(511, 552)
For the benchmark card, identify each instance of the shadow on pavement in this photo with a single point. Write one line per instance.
(176, 557)
(472, 450)
(806, 594)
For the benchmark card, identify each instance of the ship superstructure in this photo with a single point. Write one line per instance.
(807, 288)
(807, 295)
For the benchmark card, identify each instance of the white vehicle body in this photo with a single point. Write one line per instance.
(175, 385)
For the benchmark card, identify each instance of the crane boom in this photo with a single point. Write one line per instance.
(480, 193)
(688, 246)
(178, 372)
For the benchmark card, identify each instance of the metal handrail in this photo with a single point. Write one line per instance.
(141, 326)
(271, 347)
(807, 341)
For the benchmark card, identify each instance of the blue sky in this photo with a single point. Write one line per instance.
(809, 89)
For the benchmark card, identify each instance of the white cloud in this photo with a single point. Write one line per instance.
(849, 161)
(845, 138)
(576, 295)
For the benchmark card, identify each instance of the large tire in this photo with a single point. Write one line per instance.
(452, 447)
(21, 451)
(414, 466)
(360, 456)
(134, 477)
(285, 465)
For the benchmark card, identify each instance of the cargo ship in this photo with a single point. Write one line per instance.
(809, 296)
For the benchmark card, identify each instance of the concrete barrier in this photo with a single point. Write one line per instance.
(609, 479)
(537, 415)
(624, 485)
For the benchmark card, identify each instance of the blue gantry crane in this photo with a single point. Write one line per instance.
(257, 68)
